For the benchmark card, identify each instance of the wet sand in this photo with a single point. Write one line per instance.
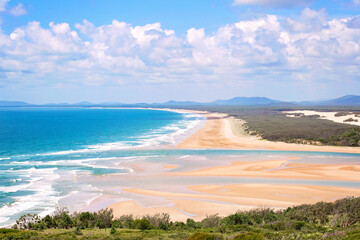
(222, 132)
(282, 169)
(227, 199)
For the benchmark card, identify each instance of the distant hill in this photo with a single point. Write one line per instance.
(180, 103)
(348, 100)
(246, 101)
(14, 104)
(344, 101)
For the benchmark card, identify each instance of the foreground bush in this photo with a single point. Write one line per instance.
(205, 236)
(338, 220)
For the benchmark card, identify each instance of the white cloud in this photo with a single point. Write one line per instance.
(3, 5)
(356, 3)
(354, 22)
(309, 20)
(18, 10)
(275, 3)
(294, 50)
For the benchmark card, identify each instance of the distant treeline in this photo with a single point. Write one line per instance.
(338, 220)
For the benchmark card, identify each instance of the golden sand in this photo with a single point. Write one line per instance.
(227, 199)
(219, 129)
(281, 169)
(222, 132)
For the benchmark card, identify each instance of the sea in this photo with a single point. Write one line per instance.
(42, 149)
(67, 157)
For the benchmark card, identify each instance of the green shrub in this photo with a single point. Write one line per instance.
(249, 236)
(276, 226)
(211, 221)
(237, 219)
(142, 224)
(298, 225)
(10, 234)
(78, 231)
(354, 235)
(205, 236)
(66, 221)
(159, 220)
(191, 224)
(113, 230)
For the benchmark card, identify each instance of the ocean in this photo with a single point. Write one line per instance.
(69, 157)
(41, 149)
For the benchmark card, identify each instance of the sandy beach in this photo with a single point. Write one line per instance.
(199, 200)
(221, 131)
(282, 169)
(332, 116)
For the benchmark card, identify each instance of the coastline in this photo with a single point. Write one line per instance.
(198, 176)
(224, 199)
(218, 133)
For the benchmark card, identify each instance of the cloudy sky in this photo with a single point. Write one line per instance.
(157, 50)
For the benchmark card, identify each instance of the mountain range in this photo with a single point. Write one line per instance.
(348, 100)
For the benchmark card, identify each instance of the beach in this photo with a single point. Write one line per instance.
(298, 182)
(189, 164)
(222, 131)
(228, 199)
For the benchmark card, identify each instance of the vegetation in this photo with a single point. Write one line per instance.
(338, 220)
(272, 124)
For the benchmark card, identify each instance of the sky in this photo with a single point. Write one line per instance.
(159, 50)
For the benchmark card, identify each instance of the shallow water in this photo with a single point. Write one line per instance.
(69, 157)
(42, 151)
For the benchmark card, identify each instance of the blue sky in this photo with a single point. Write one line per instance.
(153, 50)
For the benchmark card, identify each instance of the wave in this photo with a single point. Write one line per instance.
(45, 193)
(39, 176)
(43, 196)
(168, 135)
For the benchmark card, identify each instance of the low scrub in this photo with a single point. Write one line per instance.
(337, 220)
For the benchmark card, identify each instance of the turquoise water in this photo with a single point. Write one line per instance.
(36, 131)
(71, 156)
(40, 146)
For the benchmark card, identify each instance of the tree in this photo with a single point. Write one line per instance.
(105, 216)
(28, 221)
(211, 221)
(48, 221)
(66, 221)
(86, 219)
(142, 224)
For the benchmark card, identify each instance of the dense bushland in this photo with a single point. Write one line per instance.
(338, 220)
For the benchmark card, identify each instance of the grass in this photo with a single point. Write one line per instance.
(237, 233)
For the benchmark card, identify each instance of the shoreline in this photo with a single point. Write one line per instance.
(199, 200)
(218, 133)
(225, 199)
(196, 185)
